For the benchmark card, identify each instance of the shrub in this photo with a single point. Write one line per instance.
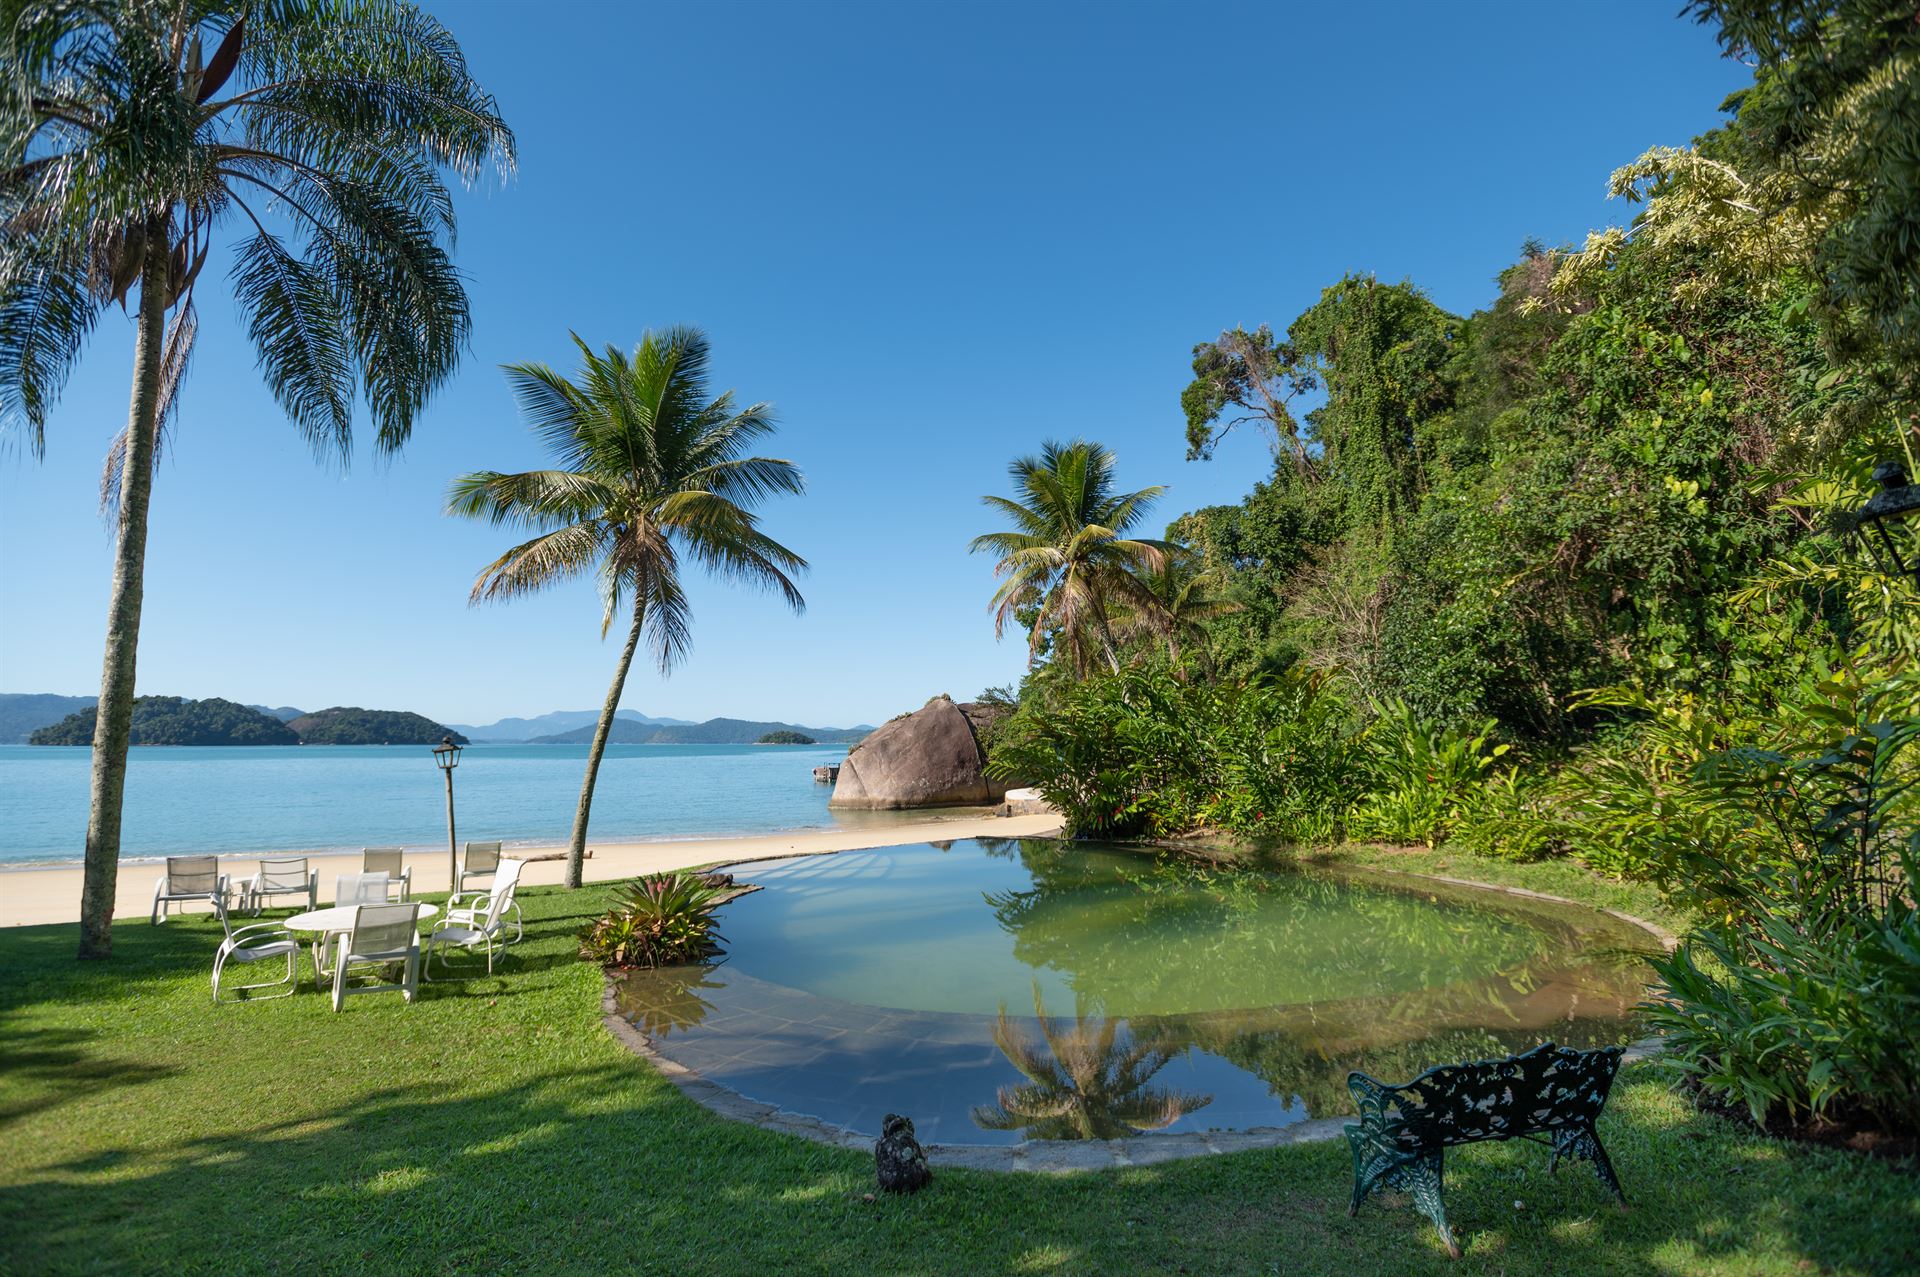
(1509, 816)
(1288, 760)
(1424, 777)
(656, 921)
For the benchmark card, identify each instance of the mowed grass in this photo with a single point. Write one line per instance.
(495, 1126)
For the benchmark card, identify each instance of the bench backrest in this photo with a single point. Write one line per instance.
(1547, 1088)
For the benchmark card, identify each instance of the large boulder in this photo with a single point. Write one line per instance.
(929, 758)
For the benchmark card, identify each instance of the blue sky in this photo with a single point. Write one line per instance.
(931, 235)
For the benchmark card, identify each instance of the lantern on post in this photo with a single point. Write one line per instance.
(446, 755)
(1897, 501)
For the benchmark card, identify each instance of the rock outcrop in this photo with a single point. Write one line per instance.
(929, 758)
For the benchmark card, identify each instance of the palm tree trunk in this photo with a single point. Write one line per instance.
(577, 849)
(113, 723)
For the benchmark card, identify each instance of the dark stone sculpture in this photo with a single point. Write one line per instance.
(898, 1160)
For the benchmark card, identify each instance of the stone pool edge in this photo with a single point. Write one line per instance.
(1051, 1156)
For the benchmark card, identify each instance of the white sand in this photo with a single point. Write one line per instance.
(52, 894)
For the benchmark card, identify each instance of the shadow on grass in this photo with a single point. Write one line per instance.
(47, 1067)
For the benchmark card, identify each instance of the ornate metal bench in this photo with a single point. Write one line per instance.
(1552, 1094)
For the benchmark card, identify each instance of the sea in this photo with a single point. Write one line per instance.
(344, 797)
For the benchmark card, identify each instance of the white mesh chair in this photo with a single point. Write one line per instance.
(478, 860)
(381, 934)
(391, 861)
(479, 926)
(260, 942)
(348, 889)
(289, 877)
(481, 860)
(189, 878)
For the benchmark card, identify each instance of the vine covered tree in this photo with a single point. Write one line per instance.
(649, 468)
(1068, 557)
(133, 133)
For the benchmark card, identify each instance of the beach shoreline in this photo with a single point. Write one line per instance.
(33, 895)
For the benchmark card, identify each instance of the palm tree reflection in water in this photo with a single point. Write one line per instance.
(1086, 1080)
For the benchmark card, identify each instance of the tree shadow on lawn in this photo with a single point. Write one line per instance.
(46, 1067)
(605, 1165)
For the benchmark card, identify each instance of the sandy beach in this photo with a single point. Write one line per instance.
(52, 893)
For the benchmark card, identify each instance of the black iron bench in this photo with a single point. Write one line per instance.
(1552, 1095)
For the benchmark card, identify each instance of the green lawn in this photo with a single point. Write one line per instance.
(496, 1127)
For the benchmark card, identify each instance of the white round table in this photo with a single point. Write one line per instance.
(339, 918)
(335, 919)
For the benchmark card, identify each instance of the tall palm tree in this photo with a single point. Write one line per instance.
(649, 468)
(1177, 597)
(133, 131)
(1068, 556)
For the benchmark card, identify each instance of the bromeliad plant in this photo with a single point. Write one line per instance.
(656, 921)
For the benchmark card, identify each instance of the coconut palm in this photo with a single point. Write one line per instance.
(1068, 556)
(1176, 599)
(1084, 1080)
(649, 469)
(132, 134)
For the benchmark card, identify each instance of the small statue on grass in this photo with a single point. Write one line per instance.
(898, 1160)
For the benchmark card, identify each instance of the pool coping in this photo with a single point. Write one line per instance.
(1052, 1156)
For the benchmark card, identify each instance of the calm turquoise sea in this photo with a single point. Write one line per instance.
(328, 797)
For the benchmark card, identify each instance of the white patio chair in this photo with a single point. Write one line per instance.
(479, 926)
(259, 942)
(391, 861)
(477, 860)
(482, 860)
(188, 878)
(288, 877)
(381, 934)
(348, 889)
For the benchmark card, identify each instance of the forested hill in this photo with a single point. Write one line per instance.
(351, 725)
(24, 713)
(715, 731)
(174, 720)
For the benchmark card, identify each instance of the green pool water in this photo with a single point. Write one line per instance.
(977, 924)
(999, 990)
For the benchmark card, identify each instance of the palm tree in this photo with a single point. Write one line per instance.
(1068, 555)
(1084, 1081)
(319, 130)
(1177, 597)
(649, 469)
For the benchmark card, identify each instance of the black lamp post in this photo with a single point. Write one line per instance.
(1896, 501)
(447, 756)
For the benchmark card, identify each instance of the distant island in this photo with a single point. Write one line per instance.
(175, 720)
(784, 737)
(715, 731)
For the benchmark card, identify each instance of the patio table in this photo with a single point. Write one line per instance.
(335, 918)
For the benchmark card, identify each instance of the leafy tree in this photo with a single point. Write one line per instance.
(1069, 556)
(649, 468)
(131, 131)
(1178, 597)
(1255, 378)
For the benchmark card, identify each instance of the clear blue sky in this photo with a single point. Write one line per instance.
(932, 235)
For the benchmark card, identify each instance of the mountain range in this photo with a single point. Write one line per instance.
(715, 731)
(519, 730)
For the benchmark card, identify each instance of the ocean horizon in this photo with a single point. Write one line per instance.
(323, 798)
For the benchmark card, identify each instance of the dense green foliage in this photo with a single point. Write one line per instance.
(655, 921)
(785, 736)
(174, 720)
(1572, 575)
(351, 725)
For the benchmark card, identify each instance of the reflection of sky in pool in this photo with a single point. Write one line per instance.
(1178, 997)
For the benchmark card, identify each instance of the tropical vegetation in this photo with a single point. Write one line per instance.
(175, 720)
(314, 133)
(1577, 576)
(649, 469)
(655, 921)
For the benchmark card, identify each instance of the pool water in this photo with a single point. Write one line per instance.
(997, 990)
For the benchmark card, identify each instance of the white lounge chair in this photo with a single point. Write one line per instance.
(391, 861)
(289, 877)
(481, 860)
(381, 934)
(259, 942)
(189, 878)
(479, 926)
